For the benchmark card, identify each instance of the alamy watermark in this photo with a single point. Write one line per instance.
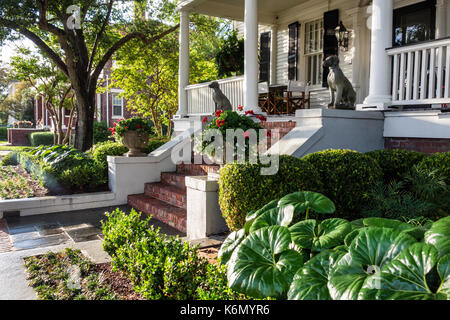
(211, 146)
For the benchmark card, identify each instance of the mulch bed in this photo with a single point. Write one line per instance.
(209, 253)
(117, 282)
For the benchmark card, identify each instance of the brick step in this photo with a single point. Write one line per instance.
(174, 179)
(167, 193)
(197, 169)
(160, 210)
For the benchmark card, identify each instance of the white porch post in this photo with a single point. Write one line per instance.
(273, 54)
(183, 72)
(441, 18)
(357, 46)
(380, 63)
(251, 56)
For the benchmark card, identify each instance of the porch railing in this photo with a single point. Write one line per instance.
(200, 99)
(421, 73)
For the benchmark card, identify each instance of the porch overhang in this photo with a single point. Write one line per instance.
(268, 10)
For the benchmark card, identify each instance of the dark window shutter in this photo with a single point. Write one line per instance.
(264, 59)
(293, 51)
(330, 42)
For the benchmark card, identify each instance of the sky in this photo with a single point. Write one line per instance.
(8, 50)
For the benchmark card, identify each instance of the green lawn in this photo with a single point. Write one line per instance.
(14, 148)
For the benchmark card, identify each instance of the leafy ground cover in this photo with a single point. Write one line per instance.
(69, 275)
(336, 259)
(16, 183)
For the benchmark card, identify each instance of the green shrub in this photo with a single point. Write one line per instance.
(108, 148)
(242, 188)
(394, 202)
(159, 267)
(101, 132)
(10, 159)
(155, 143)
(441, 162)
(347, 176)
(3, 133)
(41, 139)
(396, 163)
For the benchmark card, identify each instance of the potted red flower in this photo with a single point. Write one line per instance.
(133, 133)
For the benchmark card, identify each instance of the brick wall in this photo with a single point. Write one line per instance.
(19, 137)
(418, 144)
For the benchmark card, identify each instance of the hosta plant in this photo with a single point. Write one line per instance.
(366, 259)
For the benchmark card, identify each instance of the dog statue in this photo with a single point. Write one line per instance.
(342, 94)
(219, 98)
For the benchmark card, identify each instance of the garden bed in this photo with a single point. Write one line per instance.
(69, 275)
(55, 276)
(16, 183)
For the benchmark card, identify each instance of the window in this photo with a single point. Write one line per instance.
(117, 105)
(264, 54)
(293, 51)
(314, 51)
(414, 23)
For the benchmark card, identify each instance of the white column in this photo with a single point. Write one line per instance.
(380, 63)
(183, 73)
(273, 54)
(441, 19)
(356, 50)
(251, 56)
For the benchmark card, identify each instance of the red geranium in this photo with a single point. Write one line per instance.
(219, 112)
(205, 119)
(261, 117)
(240, 108)
(220, 122)
(249, 112)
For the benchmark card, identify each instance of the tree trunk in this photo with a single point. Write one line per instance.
(85, 120)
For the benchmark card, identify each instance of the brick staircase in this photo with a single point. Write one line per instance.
(166, 200)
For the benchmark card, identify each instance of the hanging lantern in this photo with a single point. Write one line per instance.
(342, 34)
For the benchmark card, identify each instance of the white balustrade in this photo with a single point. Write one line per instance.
(200, 99)
(421, 73)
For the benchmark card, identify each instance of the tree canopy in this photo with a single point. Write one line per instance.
(87, 33)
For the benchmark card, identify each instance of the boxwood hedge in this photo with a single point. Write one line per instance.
(242, 188)
(396, 163)
(347, 176)
(41, 138)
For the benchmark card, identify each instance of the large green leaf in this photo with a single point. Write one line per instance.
(410, 275)
(416, 232)
(369, 251)
(310, 234)
(230, 244)
(306, 199)
(263, 265)
(252, 215)
(439, 236)
(273, 217)
(310, 282)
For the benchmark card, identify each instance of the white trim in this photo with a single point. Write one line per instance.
(117, 94)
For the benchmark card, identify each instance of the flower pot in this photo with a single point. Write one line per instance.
(135, 141)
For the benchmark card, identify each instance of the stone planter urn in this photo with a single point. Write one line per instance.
(135, 141)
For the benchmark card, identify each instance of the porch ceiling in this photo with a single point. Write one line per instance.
(234, 9)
